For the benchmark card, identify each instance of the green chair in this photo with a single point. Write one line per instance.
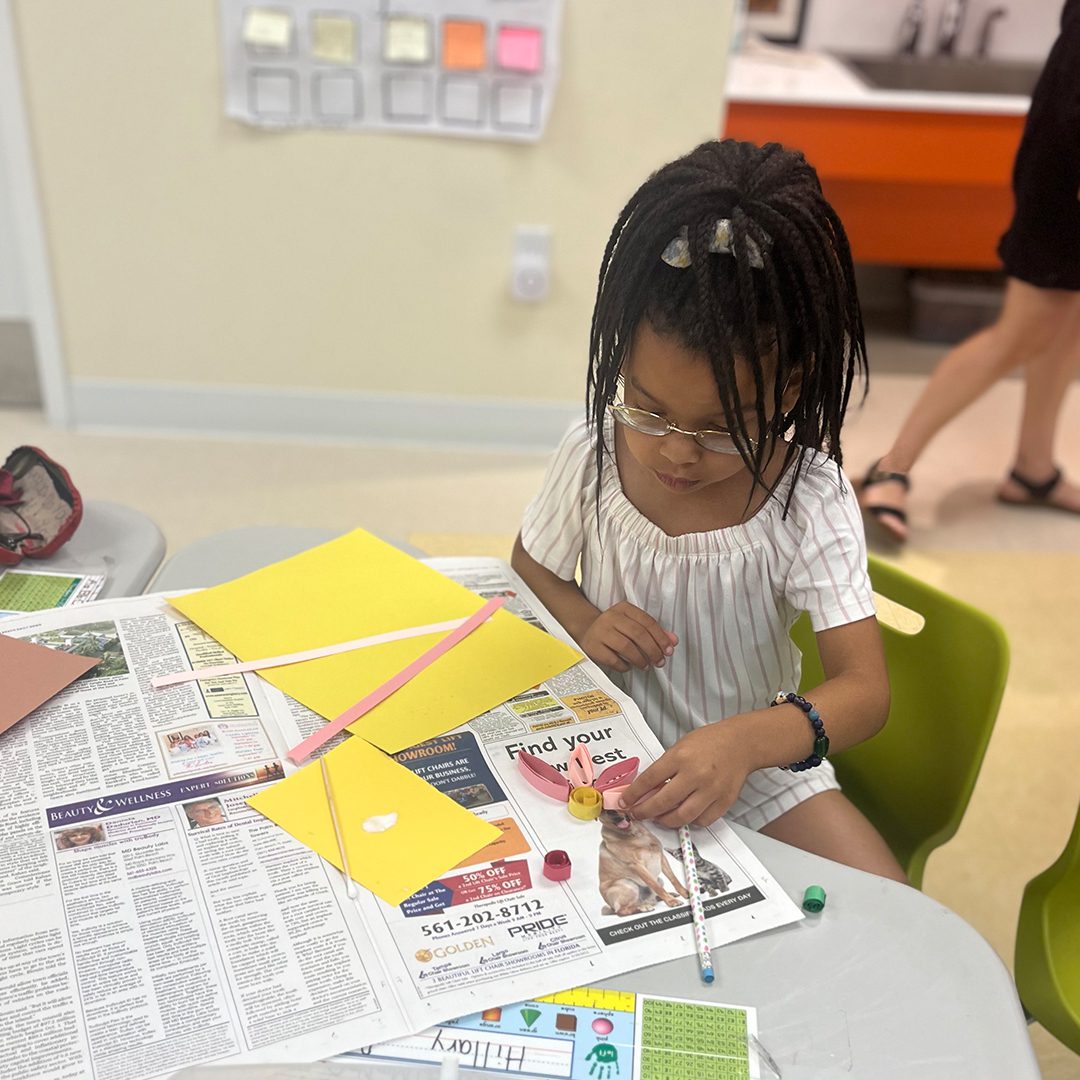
(1047, 963)
(914, 779)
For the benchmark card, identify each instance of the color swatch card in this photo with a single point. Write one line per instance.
(356, 586)
(479, 68)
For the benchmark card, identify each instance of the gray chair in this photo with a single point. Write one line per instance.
(114, 540)
(231, 554)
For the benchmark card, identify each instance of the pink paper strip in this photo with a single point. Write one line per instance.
(613, 797)
(239, 668)
(580, 768)
(312, 743)
(547, 780)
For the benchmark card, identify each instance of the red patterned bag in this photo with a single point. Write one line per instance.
(39, 506)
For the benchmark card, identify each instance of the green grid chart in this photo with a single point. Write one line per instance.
(689, 1041)
(35, 592)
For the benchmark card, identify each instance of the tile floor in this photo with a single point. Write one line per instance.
(1023, 566)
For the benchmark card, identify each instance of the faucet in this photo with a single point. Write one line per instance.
(952, 18)
(982, 49)
(911, 27)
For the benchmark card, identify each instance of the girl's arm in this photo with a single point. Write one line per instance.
(622, 636)
(562, 598)
(702, 774)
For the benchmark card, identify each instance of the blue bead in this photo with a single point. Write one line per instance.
(821, 740)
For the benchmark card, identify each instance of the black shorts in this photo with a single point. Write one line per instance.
(1042, 245)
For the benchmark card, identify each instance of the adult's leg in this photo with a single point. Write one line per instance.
(1047, 381)
(830, 825)
(1030, 319)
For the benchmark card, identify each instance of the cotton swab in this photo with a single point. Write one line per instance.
(350, 886)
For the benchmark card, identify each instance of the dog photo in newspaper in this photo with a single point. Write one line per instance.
(632, 865)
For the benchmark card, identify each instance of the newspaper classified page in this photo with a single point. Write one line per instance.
(150, 919)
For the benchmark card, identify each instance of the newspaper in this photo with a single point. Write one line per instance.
(153, 920)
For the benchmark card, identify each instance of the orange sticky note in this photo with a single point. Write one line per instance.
(31, 674)
(511, 842)
(464, 47)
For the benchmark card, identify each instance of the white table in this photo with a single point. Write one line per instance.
(885, 983)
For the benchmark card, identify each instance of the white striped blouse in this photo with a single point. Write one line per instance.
(731, 595)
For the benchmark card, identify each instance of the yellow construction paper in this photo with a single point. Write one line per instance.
(334, 38)
(359, 585)
(267, 28)
(432, 833)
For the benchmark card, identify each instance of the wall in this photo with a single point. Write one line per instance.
(189, 248)
(873, 26)
(18, 384)
(12, 300)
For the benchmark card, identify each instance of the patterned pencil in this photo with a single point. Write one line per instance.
(697, 905)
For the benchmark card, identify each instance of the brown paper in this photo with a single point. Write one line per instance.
(31, 674)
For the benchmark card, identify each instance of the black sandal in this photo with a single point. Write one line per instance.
(881, 514)
(1037, 494)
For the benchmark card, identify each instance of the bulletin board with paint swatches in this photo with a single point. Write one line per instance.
(479, 68)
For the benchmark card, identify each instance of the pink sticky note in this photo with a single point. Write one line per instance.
(31, 674)
(520, 48)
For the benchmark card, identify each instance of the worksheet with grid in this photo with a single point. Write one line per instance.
(37, 590)
(477, 69)
(692, 1040)
(591, 1034)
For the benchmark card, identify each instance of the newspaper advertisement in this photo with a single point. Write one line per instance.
(153, 920)
(500, 925)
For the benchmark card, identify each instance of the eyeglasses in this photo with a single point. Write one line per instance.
(719, 442)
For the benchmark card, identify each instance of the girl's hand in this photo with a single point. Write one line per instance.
(625, 635)
(695, 782)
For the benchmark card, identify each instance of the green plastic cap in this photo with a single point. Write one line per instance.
(813, 899)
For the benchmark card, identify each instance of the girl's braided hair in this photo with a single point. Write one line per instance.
(799, 304)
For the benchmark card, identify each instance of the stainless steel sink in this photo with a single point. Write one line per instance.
(945, 74)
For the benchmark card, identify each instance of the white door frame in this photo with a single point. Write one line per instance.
(32, 253)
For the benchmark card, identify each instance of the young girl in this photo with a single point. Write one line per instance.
(704, 499)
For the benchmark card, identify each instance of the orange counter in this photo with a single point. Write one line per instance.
(912, 188)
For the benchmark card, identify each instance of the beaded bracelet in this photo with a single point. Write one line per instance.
(821, 740)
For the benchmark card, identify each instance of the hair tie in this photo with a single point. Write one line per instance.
(677, 253)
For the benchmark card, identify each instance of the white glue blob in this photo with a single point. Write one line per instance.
(380, 823)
